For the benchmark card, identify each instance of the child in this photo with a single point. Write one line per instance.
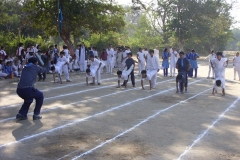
(219, 83)
(236, 65)
(95, 66)
(119, 59)
(109, 60)
(153, 68)
(165, 62)
(219, 64)
(16, 69)
(180, 82)
(8, 69)
(211, 56)
(64, 61)
(57, 69)
(128, 63)
(103, 58)
(183, 67)
(124, 75)
(141, 61)
(194, 62)
(2, 74)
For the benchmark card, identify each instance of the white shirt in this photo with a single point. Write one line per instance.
(62, 59)
(141, 56)
(19, 50)
(222, 83)
(211, 56)
(95, 53)
(173, 58)
(2, 52)
(219, 63)
(156, 52)
(236, 60)
(109, 53)
(59, 64)
(152, 63)
(95, 62)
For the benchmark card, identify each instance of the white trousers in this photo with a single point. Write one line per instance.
(83, 66)
(209, 71)
(172, 70)
(65, 71)
(104, 64)
(96, 73)
(141, 67)
(70, 66)
(3, 74)
(152, 76)
(236, 72)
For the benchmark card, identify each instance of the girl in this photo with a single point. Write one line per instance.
(165, 63)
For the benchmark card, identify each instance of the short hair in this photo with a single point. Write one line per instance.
(129, 54)
(179, 77)
(55, 45)
(143, 72)
(32, 60)
(2, 47)
(91, 56)
(119, 72)
(151, 51)
(218, 83)
(219, 53)
(140, 49)
(65, 47)
(181, 52)
(88, 70)
(52, 68)
(62, 52)
(193, 50)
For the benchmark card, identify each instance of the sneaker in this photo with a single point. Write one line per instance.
(36, 117)
(20, 117)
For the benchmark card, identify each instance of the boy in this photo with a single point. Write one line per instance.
(219, 64)
(180, 82)
(211, 56)
(109, 60)
(173, 60)
(219, 83)
(236, 65)
(183, 67)
(141, 61)
(119, 59)
(194, 62)
(153, 67)
(65, 61)
(128, 63)
(95, 66)
(124, 75)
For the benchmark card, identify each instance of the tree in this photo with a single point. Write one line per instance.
(79, 16)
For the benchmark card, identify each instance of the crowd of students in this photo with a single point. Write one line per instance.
(30, 63)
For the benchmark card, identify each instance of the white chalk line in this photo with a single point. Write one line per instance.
(209, 127)
(82, 101)
(130, 129)
(86, 118)
(10, 106)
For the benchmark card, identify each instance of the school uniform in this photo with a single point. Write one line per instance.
(236, 66)
(219, 69)
(210, 69)
(189, 57)
(82, 58)
(3, 54)
(119, 60)
(15, 70)
(2, 74)
(109, 60)
(165, 63)
(182, 81)
(173, 61)
(64, 60)
(126, 72)
(183, 64)
(129, 62)
(104, 60)
(124, 55)
(195, 63)
(141, 62)
(156, 53)
(114, 59)
(95, 72)
(152, 66)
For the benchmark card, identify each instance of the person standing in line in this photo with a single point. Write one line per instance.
(119, 59)
(195, 56)
(165, 62)
(109, 60)
(173, 61)
(189, 57)
(211, 56)
(28, 92)
(236, 65)
(156, 52)
(141, 61)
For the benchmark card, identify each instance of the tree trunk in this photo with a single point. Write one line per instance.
(66, 38)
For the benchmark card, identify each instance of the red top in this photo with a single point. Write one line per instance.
(104, 56)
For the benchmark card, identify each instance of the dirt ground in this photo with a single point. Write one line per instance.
(105, 123)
